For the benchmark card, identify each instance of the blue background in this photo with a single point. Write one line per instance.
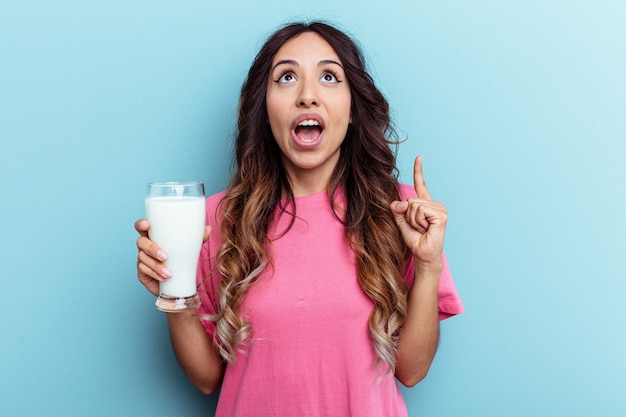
(518, 108)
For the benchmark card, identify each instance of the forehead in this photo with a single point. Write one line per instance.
(306, 45)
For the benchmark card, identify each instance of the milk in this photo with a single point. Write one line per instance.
(177, 226)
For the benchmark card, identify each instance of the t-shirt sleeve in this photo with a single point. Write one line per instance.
(450, 303)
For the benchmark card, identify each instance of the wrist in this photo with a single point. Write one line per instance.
(181, 318)
(425, 283)
(428, 268)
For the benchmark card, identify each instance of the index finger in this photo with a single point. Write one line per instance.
(418, 180)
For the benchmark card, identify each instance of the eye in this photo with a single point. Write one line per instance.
(329, 77)
(286, 78)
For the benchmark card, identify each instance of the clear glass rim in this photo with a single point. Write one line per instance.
(173, 183)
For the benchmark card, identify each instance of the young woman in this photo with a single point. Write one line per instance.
(323, 280)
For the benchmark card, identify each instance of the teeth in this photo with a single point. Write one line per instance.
(309, 123)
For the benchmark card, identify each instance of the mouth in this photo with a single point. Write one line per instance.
(308, 131)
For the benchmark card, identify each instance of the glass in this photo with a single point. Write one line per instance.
(176, 212)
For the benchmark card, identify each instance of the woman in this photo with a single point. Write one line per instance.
(322, 277)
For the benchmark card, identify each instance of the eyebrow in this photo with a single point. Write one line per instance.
(295, 63)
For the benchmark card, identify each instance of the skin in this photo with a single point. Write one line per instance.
(311, 82)
(307, 81)
(422, 222)
(194, 350)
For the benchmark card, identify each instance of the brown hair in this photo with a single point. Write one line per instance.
(366, 172)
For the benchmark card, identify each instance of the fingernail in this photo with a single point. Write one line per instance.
(166, 273)
(161, 255)
(402, 205)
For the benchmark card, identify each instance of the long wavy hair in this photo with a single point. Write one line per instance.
(365, 173)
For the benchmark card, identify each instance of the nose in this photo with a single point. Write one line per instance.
(307, 96)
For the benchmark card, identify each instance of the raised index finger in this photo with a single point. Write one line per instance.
(418, 180)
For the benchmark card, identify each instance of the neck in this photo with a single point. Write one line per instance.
(303, 185)
(305, 182)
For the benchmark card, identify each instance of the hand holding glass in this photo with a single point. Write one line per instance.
(176, 212)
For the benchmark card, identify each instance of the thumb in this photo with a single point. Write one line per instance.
(399, 208)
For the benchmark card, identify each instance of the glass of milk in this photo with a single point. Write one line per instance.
(176, 212)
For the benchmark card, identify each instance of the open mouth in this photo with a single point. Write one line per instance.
(308, 131)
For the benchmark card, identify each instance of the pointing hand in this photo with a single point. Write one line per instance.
(422, 222)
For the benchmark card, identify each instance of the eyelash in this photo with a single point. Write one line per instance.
(333, 73)
(289, 71)
(282, 74)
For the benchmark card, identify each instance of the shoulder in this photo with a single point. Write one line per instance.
(406, 191)
(212, 205)
(214, 199)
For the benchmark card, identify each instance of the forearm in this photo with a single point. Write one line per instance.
(419, 336)
(195, 351)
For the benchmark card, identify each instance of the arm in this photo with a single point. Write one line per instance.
(420, 333)
(195, 351)
(422, 224)
(192, 345)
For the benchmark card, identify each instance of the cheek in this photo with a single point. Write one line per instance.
(346, 112)
(275, 120)
(278, 127)
(275, 104)
(344, 108)
(273, 114)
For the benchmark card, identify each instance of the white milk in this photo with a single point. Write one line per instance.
(177, 226)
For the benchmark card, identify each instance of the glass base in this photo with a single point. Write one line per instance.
(171, 304)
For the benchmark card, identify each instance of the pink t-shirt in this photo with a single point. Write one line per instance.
(309, 353)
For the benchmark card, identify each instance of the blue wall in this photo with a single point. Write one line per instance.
(519, 112)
